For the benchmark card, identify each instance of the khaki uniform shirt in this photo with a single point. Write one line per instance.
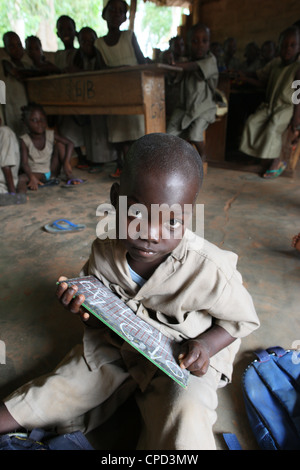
(198, 285)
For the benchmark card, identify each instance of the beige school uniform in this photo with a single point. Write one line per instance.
(197, 285)
(40, 160)
(16, 97)
(9, 156)
(196, 108)
(95, 134)
(121, 128)
(67, 125)
(262, 135)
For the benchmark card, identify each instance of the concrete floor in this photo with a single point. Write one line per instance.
(243, 213)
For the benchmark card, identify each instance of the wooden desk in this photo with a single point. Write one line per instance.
(122, 90)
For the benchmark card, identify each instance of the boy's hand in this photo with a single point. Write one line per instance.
(194, 356)
(66, 294)
(73, 303)
(34, 183)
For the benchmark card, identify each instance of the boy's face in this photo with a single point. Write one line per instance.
(153, 231)
(86, 41)
(34, 50)
(14, 47)
(66, 32)
(199, 44)
(115, 13)
(290, 47)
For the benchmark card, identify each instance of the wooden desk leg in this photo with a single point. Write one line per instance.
(154, 103)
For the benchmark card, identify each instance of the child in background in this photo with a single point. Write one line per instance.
(252, 60)
(66, 31)
(120, 48)
(98, 149)
(69, 126)
(40, 157)
(262, 135)
(14, 69)
(267, 52)
(173, 280)
(35, 52)
(231, 62)
(217, 50)
(9, 168)
(87, 57)
(196, 108)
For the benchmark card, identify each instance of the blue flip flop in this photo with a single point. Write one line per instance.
(63, 226)
(272, 174)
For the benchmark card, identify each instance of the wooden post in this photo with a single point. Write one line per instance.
(132, 12)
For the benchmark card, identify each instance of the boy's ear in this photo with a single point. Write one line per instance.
(114, 194)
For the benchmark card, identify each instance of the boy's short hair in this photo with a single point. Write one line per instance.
(8, 35)
(65, 17)
(163, 152)
(33, 38)
(108, 2)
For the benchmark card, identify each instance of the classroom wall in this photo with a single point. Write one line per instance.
(247, 20)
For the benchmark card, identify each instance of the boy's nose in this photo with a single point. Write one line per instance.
(151, 232)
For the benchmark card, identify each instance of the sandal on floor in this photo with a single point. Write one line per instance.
(73, 182)
(63, 226)
(271, 174)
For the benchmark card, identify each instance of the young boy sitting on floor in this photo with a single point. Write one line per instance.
(171, 278)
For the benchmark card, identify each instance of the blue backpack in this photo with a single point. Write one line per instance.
(271, 388)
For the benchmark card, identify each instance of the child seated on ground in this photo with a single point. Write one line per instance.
(9, 167)
(172, 279)
(262, 135)
(35, 52)
(40, 155)
(196, 108)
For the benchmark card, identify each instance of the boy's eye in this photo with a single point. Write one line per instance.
(135, 212)
(173, 224)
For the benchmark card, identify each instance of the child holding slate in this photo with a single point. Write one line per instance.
(186, 287)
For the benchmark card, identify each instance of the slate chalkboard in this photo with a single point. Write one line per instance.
(149, 341)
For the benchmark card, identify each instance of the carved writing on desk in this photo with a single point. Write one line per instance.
(149, 341)
(80, 89)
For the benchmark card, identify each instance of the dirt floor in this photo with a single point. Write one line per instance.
(244, 213)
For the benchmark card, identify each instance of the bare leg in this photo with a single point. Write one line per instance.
(7, 422)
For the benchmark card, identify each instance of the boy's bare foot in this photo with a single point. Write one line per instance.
(296, 242)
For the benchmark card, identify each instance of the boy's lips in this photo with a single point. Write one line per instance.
(143, 251)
